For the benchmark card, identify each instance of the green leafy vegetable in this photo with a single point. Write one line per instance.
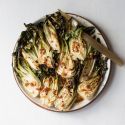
(66, 66)
(66, 96)
(77, 45)
(49, 92)
(51, 35)
(29, 80)
(55, 64)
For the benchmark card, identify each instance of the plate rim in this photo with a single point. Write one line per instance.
(101, 91)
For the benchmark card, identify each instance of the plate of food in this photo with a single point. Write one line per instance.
(55, 67)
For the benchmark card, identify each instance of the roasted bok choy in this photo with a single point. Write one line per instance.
(77, 45)
(66, 96)
(49, 91)
(51, 35)
(55, 65)
(29, 79)
(66, 66)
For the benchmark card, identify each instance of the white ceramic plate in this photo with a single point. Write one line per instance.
(84, 102)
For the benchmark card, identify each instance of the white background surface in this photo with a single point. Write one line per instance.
(15, 108)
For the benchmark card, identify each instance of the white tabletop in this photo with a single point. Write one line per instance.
(15, 108)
